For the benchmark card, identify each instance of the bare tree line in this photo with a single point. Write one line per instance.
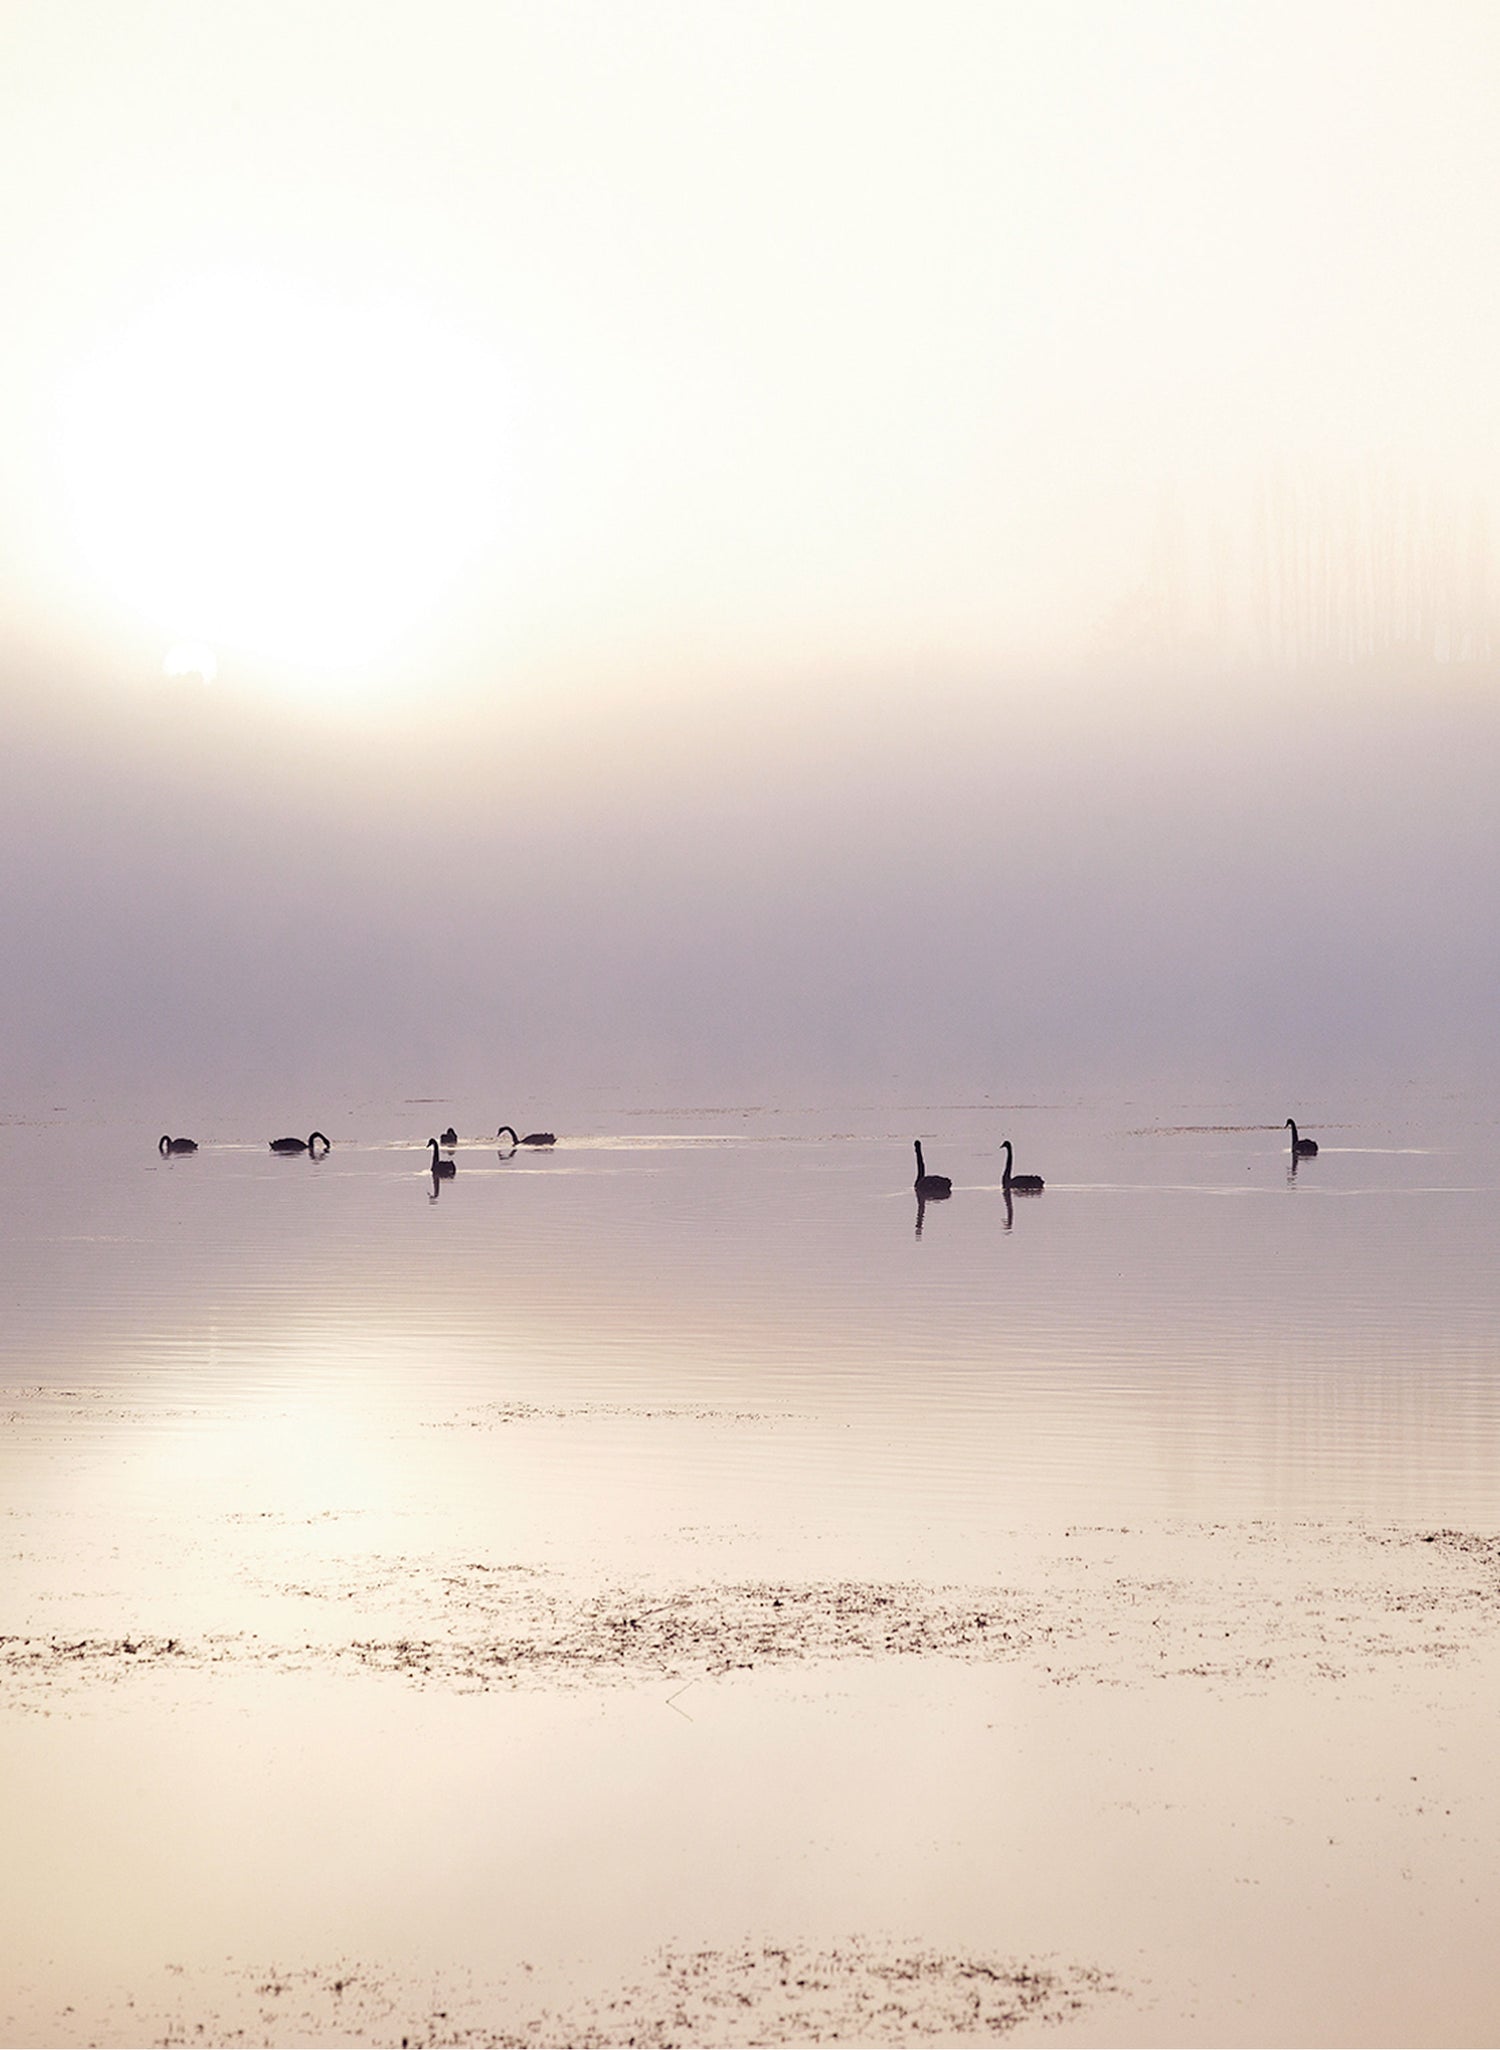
(1366, 569)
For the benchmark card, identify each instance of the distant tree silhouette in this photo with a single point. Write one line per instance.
(1366, 568)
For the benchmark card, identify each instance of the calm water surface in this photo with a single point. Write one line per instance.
(254, 1396)
(1179, 1325)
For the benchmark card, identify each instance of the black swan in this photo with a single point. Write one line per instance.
(929, 1184)
(167, 1144)
(307, 1145)
(1302, 1149)
(450, 1137)
(1023, 1184)
(529, 1139)
(442, 1170)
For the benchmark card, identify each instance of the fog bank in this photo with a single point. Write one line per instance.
(997, 886)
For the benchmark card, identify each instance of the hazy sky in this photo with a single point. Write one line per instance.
(716, 546)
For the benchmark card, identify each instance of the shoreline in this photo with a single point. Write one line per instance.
(1108, 1662)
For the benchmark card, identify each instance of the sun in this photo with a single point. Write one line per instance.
(257, 465)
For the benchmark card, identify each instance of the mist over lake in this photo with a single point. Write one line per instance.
(1030, 881)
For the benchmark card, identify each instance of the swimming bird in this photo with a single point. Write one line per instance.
(167, 1144)
(308, 1145)
(450, 1137)
(1302, 1149)
(1023, 1184)
(529, 1139)
(929, 1184)
(442, 1170)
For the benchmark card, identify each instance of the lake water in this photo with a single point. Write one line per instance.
(672, 1586)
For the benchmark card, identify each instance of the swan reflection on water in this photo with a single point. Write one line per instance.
(923, 1200)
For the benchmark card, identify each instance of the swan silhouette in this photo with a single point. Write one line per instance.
(529, 1139)
(308, 1145)
(1302, 1149)
(927, 1185)
(442, 1170)
(450, 1137)
(1023, 1184)
(167, 1144)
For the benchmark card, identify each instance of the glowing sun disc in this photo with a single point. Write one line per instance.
(303, 477)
